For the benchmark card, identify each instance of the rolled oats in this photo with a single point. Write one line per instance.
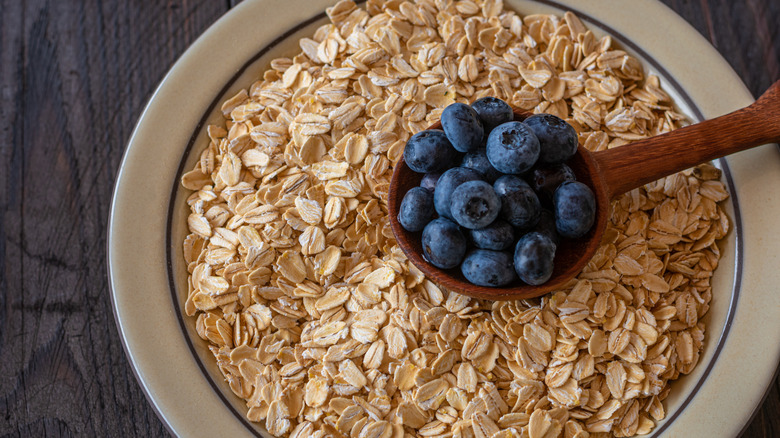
(318, 321)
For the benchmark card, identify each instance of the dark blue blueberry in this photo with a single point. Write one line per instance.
(474, 205)
(497, 236)
(484, 267)
(462, 126)
(534, 255)
(557, 139)
(429, 151)
(519, 204)
(512, 148)
(443, 243)
(416, 209)
(478, 161)
(429, 181)
(447, 183)
(493, 112)
(546, 226)
(574, 208)
(545, 179)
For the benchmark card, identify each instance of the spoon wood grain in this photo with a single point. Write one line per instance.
(608, 173)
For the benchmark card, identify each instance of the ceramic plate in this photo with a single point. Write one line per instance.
(148, 215)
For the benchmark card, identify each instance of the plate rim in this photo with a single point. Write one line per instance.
(223, 22)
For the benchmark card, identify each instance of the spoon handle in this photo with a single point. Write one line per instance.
(631, 166)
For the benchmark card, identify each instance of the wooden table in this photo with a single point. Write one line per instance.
(74, 77)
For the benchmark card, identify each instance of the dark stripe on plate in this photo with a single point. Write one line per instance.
(625, 42)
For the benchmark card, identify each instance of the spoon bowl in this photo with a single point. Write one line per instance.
(609, 174)
(570, 257)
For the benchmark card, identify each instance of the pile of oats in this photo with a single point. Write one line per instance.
(316, 318)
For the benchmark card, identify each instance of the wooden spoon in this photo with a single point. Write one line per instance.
(608, 173)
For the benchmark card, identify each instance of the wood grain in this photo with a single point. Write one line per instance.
(74, 77)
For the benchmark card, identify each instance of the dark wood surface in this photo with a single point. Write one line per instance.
(74, 77)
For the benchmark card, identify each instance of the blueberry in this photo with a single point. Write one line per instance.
(534, 255)
(557, 139)
(519, 204)
(416, 209)
(484, 267)
(462, 126)
(429, 151)
(478, 161)
(497, 236)
(575, 209)
(429, 181)
(447, 183)
(512, 148)
(493, 112)
(546, 226)
(474, 205)
(443, 243)
(545, 179)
